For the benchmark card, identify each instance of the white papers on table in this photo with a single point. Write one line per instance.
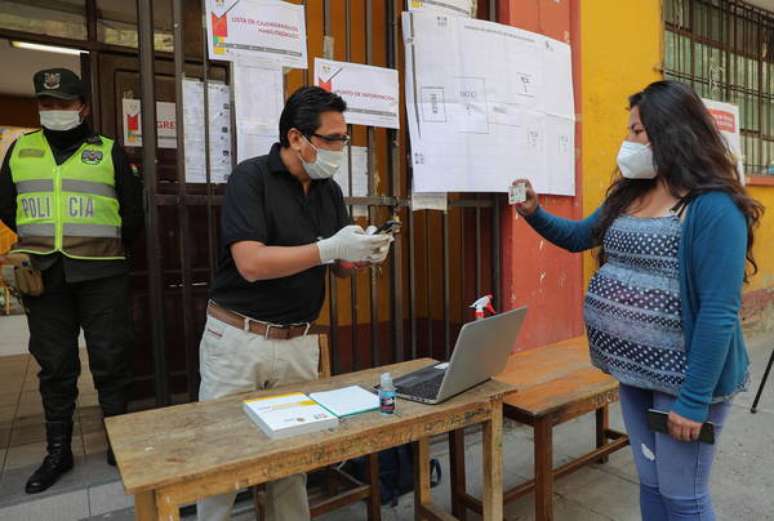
(347, 400)
(372, 93)
(288, 415)
(359, 187)
(453, 7)
(166, 129)
(262, 29)
(487, 103)
(258, 103)
(219, 129)
(726, 116)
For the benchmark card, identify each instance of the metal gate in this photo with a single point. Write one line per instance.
(724, 49)
(412, 306)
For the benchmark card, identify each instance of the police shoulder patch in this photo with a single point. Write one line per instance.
(31, 152)
(91, 157)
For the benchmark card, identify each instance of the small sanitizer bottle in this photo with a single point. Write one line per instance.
(386, 395)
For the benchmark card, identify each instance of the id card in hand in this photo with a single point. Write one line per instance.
(517, 193)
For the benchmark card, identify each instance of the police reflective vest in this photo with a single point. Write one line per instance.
(69, 208)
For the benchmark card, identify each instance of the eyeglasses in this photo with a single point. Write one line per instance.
(335, 138)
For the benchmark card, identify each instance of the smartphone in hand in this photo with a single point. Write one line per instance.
(657, 422)
(391, 226)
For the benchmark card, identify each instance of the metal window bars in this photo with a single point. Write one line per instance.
(725, 50)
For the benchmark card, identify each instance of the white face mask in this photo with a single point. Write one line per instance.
(60, 119)
(636, 161)
(327, 163)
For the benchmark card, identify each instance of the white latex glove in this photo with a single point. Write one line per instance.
(351, 244)
(380, 256)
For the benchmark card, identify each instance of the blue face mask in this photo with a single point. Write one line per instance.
(635, 161)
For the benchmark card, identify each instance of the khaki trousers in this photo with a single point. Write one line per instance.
(234, 361)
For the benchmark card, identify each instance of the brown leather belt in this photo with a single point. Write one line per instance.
(270, 331)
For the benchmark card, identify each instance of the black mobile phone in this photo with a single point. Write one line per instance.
(657, 422)
(388, 227)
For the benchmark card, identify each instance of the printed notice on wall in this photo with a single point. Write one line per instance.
(372, 93)
(219, 131)
(429, 201)
(258, 100)
(726, 117)
(166, 131)
(477, 89)
(359, 176)
(257, 29)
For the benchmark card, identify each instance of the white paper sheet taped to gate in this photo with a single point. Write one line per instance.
(371, 93)
(257, 29)
(258, 102)
(487, 103)
(219, 131)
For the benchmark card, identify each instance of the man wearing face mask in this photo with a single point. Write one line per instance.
(71, 197)
(284, 223)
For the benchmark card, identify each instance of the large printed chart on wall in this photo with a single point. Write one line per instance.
(487, 103)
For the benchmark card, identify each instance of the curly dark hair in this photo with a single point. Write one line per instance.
(689, 154)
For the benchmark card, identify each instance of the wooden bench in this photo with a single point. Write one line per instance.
(554, 384)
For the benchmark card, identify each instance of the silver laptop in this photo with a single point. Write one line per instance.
(481, 352)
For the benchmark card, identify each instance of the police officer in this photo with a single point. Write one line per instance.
(74, 202)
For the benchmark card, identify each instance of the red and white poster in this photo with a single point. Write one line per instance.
(166, 127)
(727, 119)
(372, 93)
(267, 30)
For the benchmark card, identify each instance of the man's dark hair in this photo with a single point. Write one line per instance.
(302, 111)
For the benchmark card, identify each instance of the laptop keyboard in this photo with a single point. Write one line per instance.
(427, 389)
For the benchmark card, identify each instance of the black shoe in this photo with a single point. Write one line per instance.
(58, 460)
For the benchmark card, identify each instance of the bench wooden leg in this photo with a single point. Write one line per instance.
(493, 465)
(603, 425)
(374, 503)
(422, 494)
(544, 474)
(457, 473)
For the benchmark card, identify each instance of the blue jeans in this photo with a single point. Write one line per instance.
(674, 475)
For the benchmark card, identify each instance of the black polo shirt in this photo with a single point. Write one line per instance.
(266, 203)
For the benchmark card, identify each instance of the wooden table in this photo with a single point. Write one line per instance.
(554, 384)
(173, 456)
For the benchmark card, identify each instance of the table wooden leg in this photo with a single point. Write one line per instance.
(421, 476)
(168, 510)
(544, 476)
(603, 424)
(145, 507)
(493, 465)
(374, 499)
(457, 472)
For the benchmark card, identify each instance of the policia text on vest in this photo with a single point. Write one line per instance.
(69, 208)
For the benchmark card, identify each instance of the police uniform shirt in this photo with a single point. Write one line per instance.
(128, 190)
(266, 203)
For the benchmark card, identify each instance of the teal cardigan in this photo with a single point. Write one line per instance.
(711, 257)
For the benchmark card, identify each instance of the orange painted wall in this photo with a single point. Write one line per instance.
(537, 274)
